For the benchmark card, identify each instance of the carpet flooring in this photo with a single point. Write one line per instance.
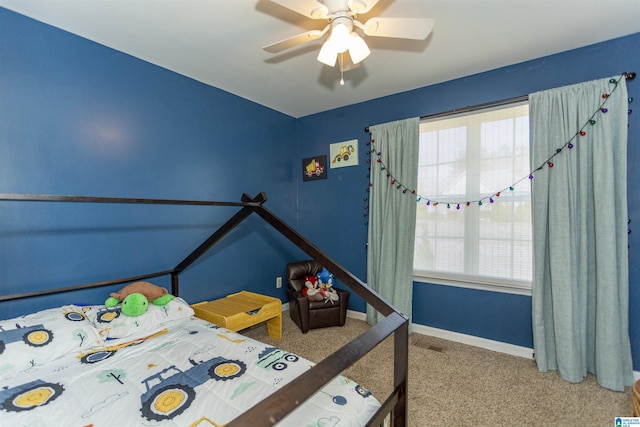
(457, 384)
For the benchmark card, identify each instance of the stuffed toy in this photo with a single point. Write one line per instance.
(136, 296)
(311, 289)
(325, 285)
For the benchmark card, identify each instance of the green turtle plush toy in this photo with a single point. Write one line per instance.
(136, 297)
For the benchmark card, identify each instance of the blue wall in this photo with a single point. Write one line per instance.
(79, 118)
(492, 315)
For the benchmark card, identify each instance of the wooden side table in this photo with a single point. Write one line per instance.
(241, 310)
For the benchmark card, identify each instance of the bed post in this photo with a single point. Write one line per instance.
(397, 401)
(400, 374)
(174, 284)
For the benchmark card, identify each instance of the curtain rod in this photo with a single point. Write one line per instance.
(629, 76)
(473, 108)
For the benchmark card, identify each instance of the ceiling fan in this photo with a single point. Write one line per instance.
(343, 26)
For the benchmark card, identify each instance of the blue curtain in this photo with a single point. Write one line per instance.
(392, 215)
(580, 286)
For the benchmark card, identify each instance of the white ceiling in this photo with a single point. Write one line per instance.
(219, 42)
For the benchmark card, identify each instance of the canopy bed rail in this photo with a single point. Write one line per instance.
(274, 408)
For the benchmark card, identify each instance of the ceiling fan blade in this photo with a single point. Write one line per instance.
(294, 41)
(361, 6)
(309, 8)
(401, 28)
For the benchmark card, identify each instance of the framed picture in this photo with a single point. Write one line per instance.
(314, 168)
(344, 154)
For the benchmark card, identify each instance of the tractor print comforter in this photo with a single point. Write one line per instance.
(189, 373)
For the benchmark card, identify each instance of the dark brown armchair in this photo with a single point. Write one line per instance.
(313, 314)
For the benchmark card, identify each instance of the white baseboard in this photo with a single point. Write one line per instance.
(357, 315)
(514, 350)
(501, 347)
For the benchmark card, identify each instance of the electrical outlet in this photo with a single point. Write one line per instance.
(278, 282)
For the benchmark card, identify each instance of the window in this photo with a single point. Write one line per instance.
(474, 167)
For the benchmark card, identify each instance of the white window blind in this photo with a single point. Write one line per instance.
(472, 166)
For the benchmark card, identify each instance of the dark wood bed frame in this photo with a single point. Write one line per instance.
(275, 407)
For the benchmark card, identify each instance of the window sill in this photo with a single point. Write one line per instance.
(520, 288)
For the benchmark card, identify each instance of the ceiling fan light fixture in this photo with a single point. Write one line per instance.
(358, 48)
(328, 53)
(342, 16)
(340, 37)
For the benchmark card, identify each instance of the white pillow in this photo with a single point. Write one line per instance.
(29, 341)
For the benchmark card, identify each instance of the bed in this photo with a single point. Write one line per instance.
(76, 365)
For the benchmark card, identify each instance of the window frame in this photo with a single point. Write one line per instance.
(486, 283)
